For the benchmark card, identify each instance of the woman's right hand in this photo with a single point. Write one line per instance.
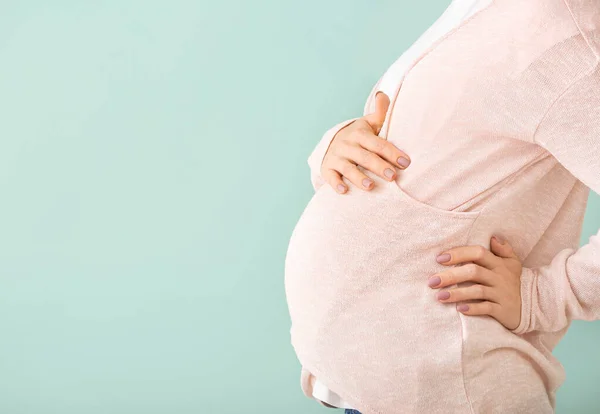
(358, 144)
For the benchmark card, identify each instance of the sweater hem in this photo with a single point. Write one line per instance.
(334, 386)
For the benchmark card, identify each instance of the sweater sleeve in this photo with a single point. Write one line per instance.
(568, 288)
(315, 159)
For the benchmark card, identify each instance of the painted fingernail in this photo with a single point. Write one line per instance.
(388, 173)
(443, 295)
(500, 239)
(442, 258)
(434, 281)
(367, 182)
(403, 162)
(341, 188)
(463, 307)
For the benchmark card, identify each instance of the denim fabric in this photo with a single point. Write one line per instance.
(348, 411)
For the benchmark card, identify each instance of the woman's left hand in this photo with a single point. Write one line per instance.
(497, 278)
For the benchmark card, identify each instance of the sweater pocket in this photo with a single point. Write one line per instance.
(429, 209)
(364, 321)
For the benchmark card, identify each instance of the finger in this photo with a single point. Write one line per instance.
(470, 272)
(385, 149)
(370, 161)
(334, 179)
(500, 247)
(472, 253)
(480, 308)
(352, 173)
(377, 118)
(473, 292)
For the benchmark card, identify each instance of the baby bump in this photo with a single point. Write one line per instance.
(364, 320)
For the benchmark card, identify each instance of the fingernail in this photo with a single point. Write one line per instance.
(500, 239)
(442, 258)
(367, 182)
(443, 295)
(341, 188)
(388, 173)
(434, 281)
(403, 162)
(462, 307)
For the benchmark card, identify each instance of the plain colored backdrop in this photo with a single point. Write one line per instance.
(152, 167)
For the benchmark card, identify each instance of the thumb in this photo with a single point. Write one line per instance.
(503, 249)
(376, 119)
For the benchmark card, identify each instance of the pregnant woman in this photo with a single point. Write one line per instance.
(400, 299)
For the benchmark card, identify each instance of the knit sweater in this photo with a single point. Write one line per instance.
(501, 120)
(456, 12)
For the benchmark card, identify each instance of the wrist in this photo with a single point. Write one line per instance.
(528, 279)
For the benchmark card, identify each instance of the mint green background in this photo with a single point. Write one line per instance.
(152, 167)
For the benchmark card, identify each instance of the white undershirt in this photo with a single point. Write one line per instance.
(457, 11)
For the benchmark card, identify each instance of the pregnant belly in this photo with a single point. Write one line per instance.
(364, 320)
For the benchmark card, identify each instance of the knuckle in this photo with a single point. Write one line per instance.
(470, 269)
(342, 138)
(362, 138)
(480, 252)
(347, 169)
(367, 157)
(332, 150)
(480, 291)
(355, 135)
(340, 149)
(379, 144)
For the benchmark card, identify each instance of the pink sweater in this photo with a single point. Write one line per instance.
(501, 119)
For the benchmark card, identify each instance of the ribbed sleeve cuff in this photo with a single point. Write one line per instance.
(315, 159)
(528, 279)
